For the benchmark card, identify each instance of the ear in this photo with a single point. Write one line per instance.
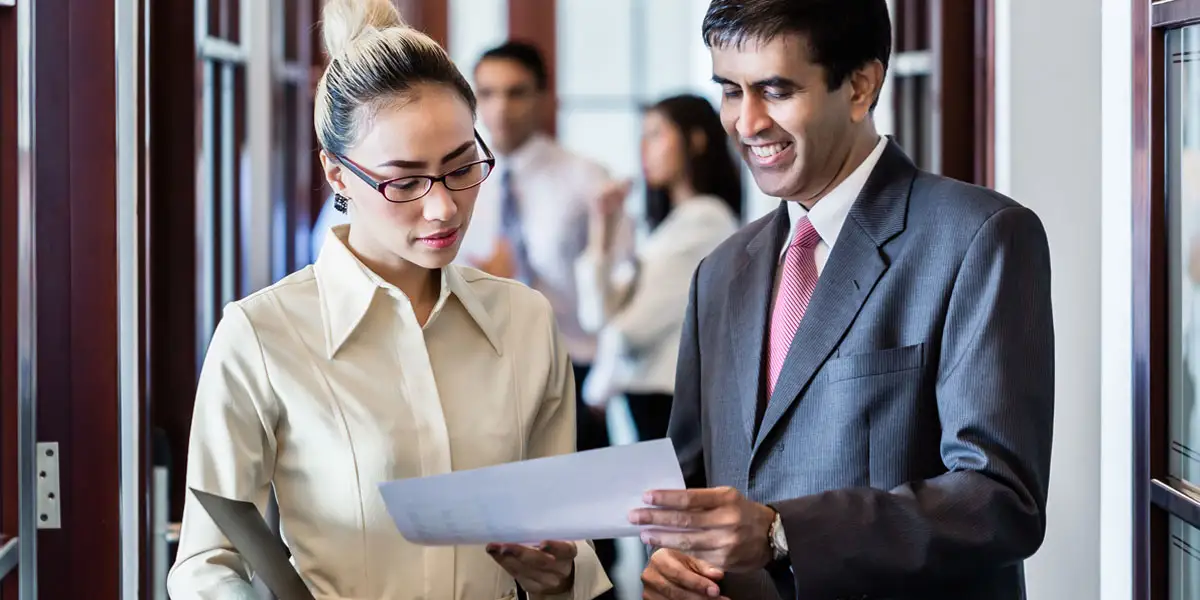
(865, 84)
(333, 172)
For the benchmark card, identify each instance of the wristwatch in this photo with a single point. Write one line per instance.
(778, 539)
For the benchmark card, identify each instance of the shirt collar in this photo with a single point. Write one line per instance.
(347, 289)
(829, 214)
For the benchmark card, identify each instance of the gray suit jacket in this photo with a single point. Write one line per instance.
(907, 444)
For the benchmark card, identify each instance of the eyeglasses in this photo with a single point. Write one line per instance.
(414, 187)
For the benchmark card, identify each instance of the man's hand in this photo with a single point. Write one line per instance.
(547, 569)
(674, 576)
(721, 526)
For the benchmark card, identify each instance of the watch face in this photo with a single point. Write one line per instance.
(778, 540)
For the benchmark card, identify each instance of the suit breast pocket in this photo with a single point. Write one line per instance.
(881, 362)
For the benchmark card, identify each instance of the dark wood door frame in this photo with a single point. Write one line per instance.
(8, 284)
(76, 327)
(1151, 21)
(171, 230)
(963, 89)
(429, 16)
(536, 22)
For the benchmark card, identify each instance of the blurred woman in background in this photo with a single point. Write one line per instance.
(383, 360)
(693, 202)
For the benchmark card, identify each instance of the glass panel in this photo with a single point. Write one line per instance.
(1183, 197)
(610, 137)
(582, 70)
(669, 27)
(476, 26)
(1184, 560)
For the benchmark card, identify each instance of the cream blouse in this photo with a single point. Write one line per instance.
(324, 385)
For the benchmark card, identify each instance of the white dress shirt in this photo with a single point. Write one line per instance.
(639, 311)
(554, 188)
(829, 213)
(324, 385)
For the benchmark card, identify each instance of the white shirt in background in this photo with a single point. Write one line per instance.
(639, 311)
(554, 189)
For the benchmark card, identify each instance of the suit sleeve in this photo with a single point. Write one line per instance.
(995, 401)
(686, 429)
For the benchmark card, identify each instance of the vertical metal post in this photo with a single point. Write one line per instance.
(26, 303)
(128, 33)
(159, 552)
(205, 196)
(262, 51)
(229, 163)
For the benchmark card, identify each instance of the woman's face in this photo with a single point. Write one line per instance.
(431, 132)
(664, 153)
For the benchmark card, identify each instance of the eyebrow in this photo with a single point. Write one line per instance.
(419, 164)
(776, 81)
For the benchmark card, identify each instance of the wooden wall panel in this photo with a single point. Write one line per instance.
(75, 184)
(430, 16)
(985, 93)
(8, 285)
(171, 240)
(535, 22)
(953, 23)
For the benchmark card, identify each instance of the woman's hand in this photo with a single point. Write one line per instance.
(547, 569)
(606, 209)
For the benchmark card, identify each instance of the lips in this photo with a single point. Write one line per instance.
(440, 239)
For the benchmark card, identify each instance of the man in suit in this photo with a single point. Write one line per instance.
(864, 397)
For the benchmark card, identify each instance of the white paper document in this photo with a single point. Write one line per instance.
(582, 496)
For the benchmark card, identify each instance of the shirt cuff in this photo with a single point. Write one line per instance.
(590, 580)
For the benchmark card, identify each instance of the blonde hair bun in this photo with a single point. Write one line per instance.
(344, 21)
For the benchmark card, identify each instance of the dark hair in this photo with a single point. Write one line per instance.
(374, 56)
(712, 170)
(842, 35)
(526, 55)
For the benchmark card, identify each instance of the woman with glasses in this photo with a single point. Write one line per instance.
(383, 360)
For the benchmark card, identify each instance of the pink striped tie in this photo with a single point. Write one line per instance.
(796, 285)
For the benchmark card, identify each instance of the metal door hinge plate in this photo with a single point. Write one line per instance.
(49, 500)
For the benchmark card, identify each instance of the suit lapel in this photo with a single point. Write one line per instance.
(851, 272)
(748, 311)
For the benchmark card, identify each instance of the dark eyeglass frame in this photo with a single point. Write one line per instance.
(381, 185)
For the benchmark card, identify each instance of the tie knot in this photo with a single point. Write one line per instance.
(806, 235)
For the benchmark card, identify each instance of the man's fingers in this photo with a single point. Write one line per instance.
(684, 519)
(687, 541)
(690, 499)
(702, 567)
(679, 577)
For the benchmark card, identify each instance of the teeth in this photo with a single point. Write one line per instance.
(767, 151)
